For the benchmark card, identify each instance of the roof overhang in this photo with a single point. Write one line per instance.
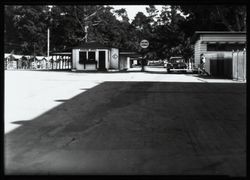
(220, 32)
(197, 34)
(223, 42)
(60, 53)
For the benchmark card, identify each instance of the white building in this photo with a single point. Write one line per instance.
(217, 41)
(218, 46)
(95, 56)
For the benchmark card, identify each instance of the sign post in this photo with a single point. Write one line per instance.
(144, 44)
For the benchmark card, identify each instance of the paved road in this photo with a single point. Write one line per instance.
(122, 127)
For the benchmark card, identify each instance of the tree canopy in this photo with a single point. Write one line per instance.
(169, 31)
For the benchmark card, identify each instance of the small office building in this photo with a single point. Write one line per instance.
(217, 46)
(94, 56)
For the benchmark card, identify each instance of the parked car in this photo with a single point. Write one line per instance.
(176, 63)
(155, 63)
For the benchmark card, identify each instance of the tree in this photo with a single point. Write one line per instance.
(123, 14)
(28, 23)
(168, 32)
(216, 17)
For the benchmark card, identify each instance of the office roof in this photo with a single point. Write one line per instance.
(220, 32)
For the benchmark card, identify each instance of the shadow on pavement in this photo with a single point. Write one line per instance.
(212, 77)
(141, 128)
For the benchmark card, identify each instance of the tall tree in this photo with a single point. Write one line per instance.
(216, 17)
(28, 22)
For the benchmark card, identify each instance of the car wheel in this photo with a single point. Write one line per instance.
(168, 70)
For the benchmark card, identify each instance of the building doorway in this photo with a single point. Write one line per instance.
(102, 59)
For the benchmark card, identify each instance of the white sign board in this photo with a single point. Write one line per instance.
(144, 43)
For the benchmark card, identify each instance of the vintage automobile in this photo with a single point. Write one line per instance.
(176, 64)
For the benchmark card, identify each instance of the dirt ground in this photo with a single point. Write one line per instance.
(124, 123)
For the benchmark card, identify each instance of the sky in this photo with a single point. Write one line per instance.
(132, 10)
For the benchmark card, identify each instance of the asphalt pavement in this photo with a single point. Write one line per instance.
(124, 123)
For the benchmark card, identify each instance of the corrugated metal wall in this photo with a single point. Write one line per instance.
(239, 65)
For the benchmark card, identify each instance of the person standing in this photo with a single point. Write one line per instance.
(202, 63)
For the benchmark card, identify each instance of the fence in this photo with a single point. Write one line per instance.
(58, 61)
(239, 65)
(61, 61)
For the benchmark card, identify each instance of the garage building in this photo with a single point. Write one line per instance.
(217, 46)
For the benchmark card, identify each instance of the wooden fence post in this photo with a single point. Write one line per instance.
(237, 64)
(244, 64)
(68, 62)
(63, 58)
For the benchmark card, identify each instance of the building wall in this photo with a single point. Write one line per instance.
(75, 57)
(223, 37)
(123, 62)
(114, 58)
(78, 66)
(214, 55)
(201, 45)
(199, 49)
(239, 65)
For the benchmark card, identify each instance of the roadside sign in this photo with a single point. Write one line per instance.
(144, 43)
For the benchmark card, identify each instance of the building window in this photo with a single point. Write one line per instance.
(91, 55)
(225, 47)
(82, 57)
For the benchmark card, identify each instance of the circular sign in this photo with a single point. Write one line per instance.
(144, 43)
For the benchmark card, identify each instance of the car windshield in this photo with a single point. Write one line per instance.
(176, 60)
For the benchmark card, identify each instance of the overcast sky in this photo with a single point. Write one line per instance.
(132, 10)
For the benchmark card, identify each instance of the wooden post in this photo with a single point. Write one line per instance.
(68, 61)
(71, 61)
(64, 62)
(52, 61)
(56, 62)
(48, 42)
(61, 62)
(237, 64)
(244, 65)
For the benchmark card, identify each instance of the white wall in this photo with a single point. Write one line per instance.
(239, 65)
(75, 57)
(223, 37)
(199, 49)
(123, 62)
(114, 58)
(78, 66)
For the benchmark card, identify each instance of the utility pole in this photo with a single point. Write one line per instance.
(34, 51)
(86, 33)
(48, 36)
